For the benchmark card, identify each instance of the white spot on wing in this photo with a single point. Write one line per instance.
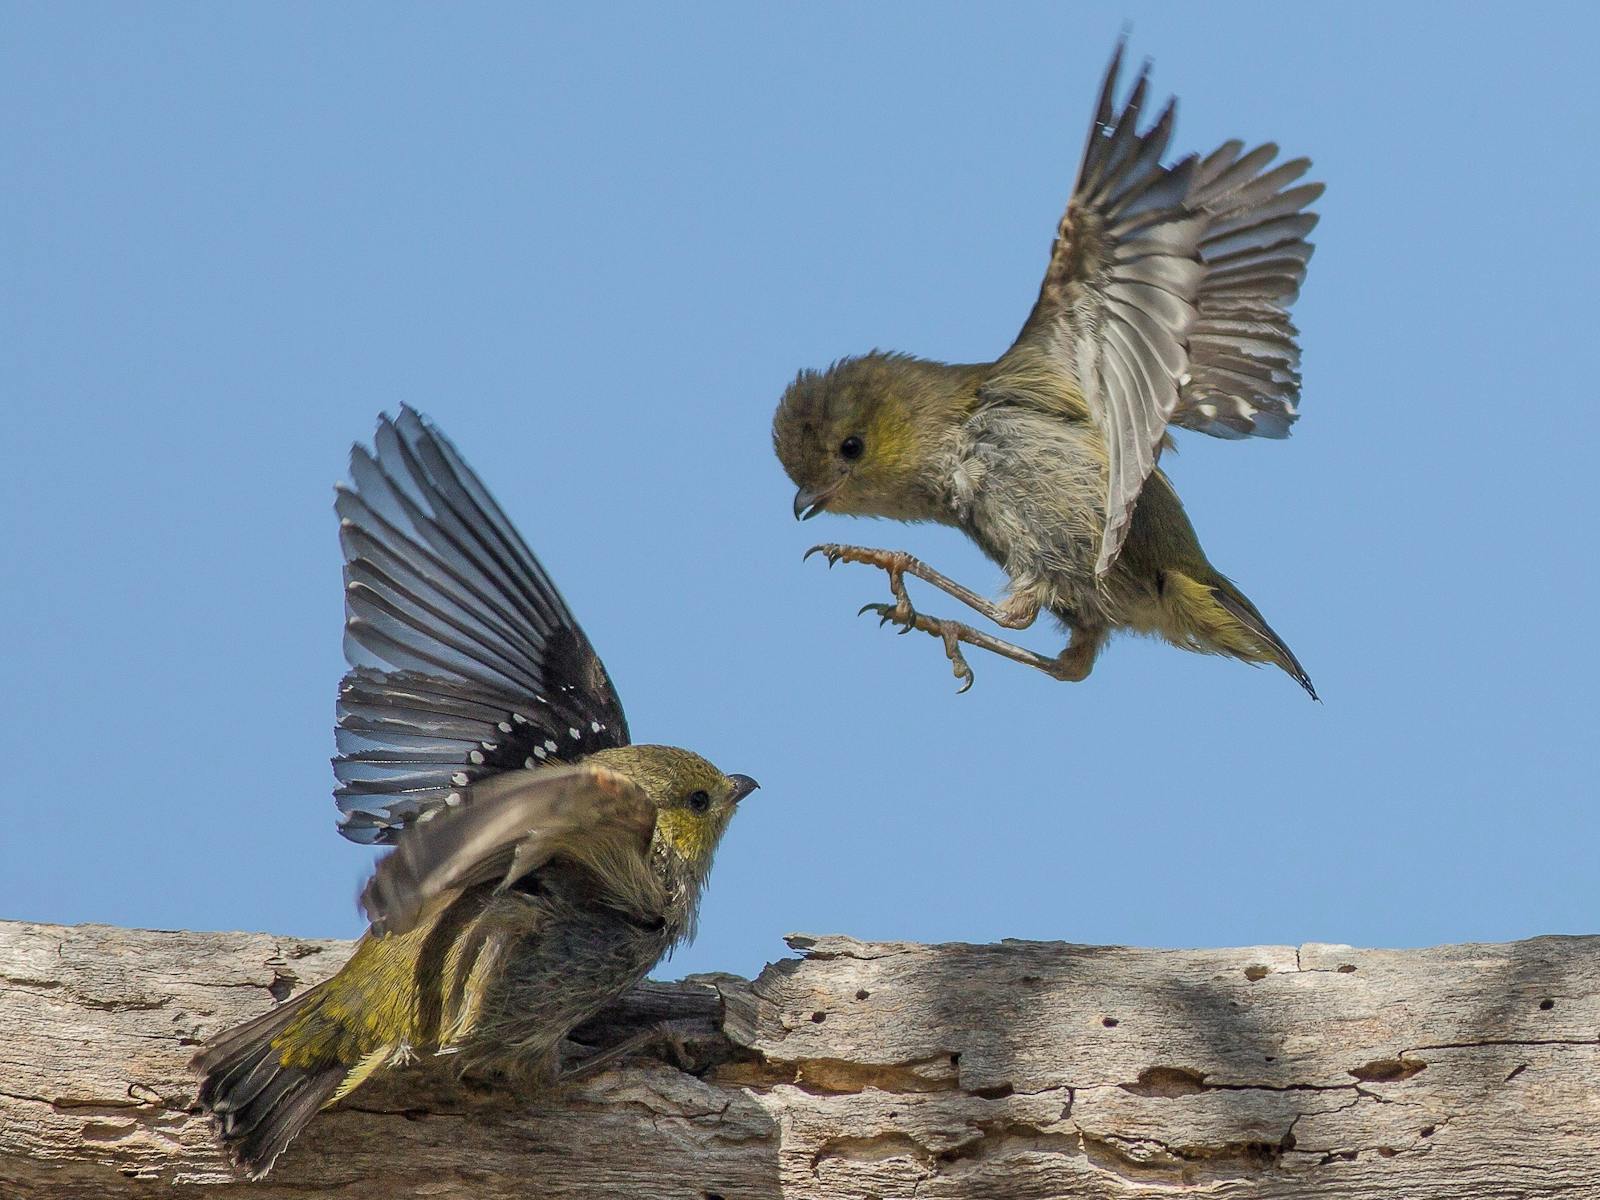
(477, 757)
(459, 779)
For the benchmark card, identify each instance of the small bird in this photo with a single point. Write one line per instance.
(542, 863)
(1165, 302)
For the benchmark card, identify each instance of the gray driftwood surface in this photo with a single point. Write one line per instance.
(862, 1070)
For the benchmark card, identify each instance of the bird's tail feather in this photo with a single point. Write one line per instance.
(257, 1102)
(1214, 616)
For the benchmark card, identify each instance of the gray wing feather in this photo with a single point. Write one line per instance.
(1244, 377)
(1167, 292)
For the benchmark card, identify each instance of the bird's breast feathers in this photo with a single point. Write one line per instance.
(1029, 489)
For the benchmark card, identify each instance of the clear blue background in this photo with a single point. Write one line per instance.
(594, 248)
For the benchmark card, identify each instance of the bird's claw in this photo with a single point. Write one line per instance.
(902, 615)
(830, 550)
(958, 661)
(948, 632)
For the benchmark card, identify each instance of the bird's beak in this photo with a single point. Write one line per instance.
(743, 785)
(808, 503)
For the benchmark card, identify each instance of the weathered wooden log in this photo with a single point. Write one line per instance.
(859, 1070)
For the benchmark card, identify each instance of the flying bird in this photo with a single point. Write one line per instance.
(1165, 303)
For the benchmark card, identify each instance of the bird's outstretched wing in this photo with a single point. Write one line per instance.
(464, 659)
(1167, 294)
(514, 824)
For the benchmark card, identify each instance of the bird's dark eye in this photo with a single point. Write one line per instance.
(851, 448)
(699, 801)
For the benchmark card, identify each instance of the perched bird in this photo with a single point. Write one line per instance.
(542, 863)
(1164, 303)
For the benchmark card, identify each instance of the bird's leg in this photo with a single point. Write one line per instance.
(954, 633)
(666, 1038)
(1017, 613)
(1072, 665)
(593, 1064)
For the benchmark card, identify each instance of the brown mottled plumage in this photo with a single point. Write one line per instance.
(1165, 302)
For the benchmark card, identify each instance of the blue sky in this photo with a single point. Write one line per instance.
(594, 247)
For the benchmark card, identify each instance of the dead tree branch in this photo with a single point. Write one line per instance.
(860, 1070)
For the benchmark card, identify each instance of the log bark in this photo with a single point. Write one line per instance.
(855, 1070)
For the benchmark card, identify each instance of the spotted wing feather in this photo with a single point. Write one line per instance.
(464, 659)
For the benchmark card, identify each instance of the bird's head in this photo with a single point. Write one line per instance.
(862, 438)
(694, 801)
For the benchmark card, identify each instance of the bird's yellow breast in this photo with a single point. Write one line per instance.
(689, 834)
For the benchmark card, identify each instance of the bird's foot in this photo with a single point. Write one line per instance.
(1018, 612)
(895, 562)
(900, 612)
(949, 632)
(888, 560)
(1072, 665)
